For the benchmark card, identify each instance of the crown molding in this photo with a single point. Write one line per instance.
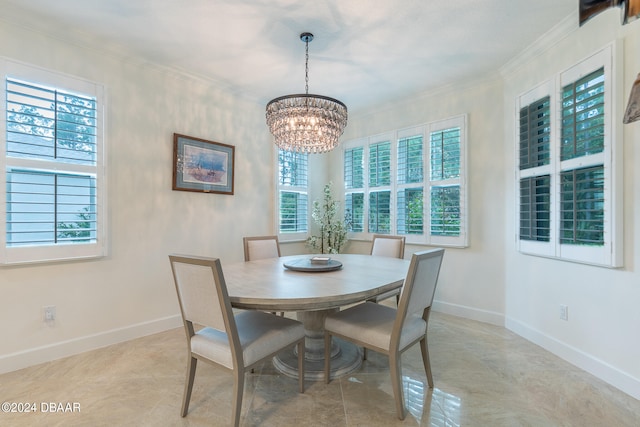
(549, 39)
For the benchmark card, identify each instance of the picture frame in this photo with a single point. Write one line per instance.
(202, 166)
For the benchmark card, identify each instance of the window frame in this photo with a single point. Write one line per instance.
(610, 254)
(54, 252)
(296, 235)
(426, 184)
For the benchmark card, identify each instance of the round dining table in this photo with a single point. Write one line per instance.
(312, 290)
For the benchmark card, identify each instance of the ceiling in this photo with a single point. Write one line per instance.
(365, 52)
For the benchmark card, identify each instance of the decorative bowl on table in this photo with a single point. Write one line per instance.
(314, 264)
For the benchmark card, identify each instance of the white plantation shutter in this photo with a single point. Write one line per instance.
(293, 203)
(535, 187)
(535, 208)
(354, 168)
(583, 116)
(415, 183)
(379, 184)
(447, 182)
(582, 197)
(535, 133)
(569, 205)
(380, 212)
(582, 190)
(410, 183)
(53, 179)
(354, 188)
(380, 164)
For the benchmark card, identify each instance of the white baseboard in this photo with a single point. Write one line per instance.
(34, 356)
(472, 313)
(602, 370)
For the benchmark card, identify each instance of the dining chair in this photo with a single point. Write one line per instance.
(389, 330)
(261, 247)
(235, 342)
(389, 246)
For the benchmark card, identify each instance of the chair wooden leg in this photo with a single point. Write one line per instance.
(396, 383)
(188, 384)
(301, 350)
(426, 361)
(238, 388)
(364, 353)
(327, 356)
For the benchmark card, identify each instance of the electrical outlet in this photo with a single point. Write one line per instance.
(49, 313)
(564, 312)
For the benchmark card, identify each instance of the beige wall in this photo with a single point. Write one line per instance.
(131, 292)
(491, 280)
(601, 333)
(472, 279)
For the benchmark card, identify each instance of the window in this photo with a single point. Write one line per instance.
(292, 194)
(568, 200)
(380, 187)
(409, 182)
(53, 173)
(410, 185)
(354, 180)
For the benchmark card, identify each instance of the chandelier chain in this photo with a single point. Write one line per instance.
(306, 68)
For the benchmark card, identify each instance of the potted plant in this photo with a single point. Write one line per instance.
(333, 229)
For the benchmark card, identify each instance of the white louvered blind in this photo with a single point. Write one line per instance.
(445, 190)
(354, 168)
(535, 152)
(410, 198)
(570, 207)
(50, 208)
(380, 177)
(535, 208)
(445, 154)
(51, 124)
(292, 192)
(535, 133)
(414, 183)
(583, 116)
(53, 170)
(582, 193)
(380, 164)
(354, 211)
(354, 188)
(582, 206)
(380, 212)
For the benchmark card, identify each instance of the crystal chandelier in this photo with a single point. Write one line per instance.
(306, 123)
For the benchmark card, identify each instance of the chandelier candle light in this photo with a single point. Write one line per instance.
(306, 123)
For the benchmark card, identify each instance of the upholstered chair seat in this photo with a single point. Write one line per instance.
(388, 330)
(233, 341)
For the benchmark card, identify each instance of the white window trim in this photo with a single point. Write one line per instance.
(52, 253)
(426, 238)
(463, 239)
(295, 236)
(530, 246)
(364, 143)
(611, 253)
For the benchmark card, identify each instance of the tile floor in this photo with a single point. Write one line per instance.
(484, 376)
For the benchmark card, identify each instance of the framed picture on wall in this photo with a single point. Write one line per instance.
(202, 166)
